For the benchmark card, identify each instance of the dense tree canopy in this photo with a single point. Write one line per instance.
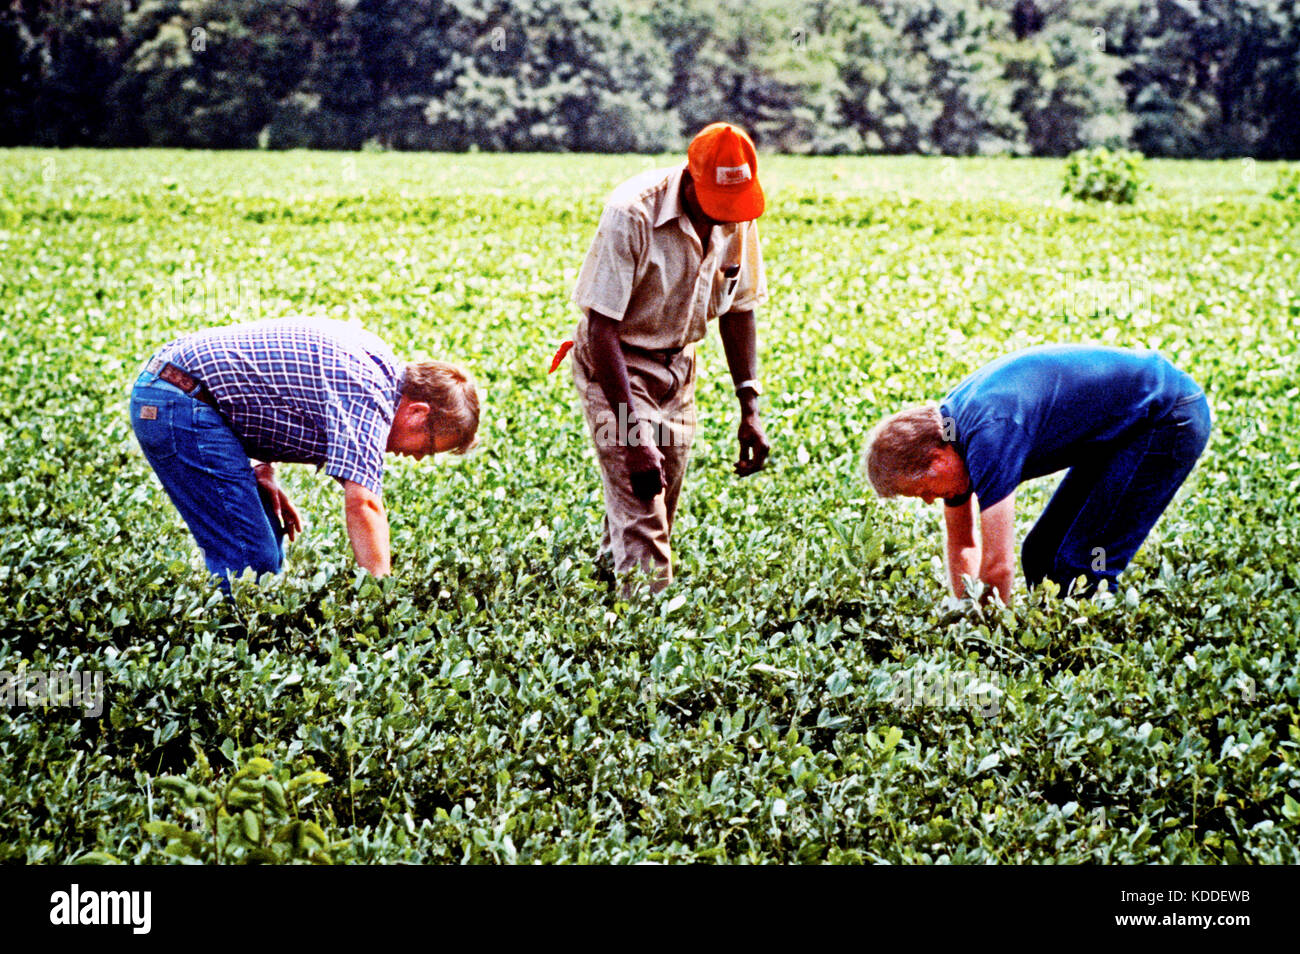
(959, 77)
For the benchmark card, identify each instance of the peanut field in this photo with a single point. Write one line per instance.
(802, 693)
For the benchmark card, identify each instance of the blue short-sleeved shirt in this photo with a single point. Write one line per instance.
(301, 390)
(1050, 407)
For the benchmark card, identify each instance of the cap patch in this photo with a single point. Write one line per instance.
(734, 175)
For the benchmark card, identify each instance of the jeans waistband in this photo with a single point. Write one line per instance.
(180, 379)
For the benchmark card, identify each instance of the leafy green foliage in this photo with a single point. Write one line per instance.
(1102, 175)
(923, 78)
(492, 702)
(1202, 77)
(1288, 185)
(1067, 90)
(251, 819)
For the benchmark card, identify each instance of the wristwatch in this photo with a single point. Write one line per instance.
(750, 384)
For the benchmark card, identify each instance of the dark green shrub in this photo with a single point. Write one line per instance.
(1104, 175)
(1288, 185)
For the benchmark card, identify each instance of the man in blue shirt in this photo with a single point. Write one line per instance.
(214, 409)
(1126, 424)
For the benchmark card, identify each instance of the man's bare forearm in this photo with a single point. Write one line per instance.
(368, 530)
(739, 333)
(609, 365)
(997, 545)
(962, 548)
(962, 561)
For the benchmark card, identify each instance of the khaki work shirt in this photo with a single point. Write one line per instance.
(646, 270)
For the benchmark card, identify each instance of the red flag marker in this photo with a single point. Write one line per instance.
(565, 345)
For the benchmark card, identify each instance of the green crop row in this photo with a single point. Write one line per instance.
(802, 693)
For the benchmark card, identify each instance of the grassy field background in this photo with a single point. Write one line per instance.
(491, 702)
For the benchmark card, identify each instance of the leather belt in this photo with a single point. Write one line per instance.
(183, 380)
(664, 356)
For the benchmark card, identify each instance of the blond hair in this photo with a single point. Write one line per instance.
(901, 447)
(452, 398)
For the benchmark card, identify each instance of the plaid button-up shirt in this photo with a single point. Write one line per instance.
(304, 391)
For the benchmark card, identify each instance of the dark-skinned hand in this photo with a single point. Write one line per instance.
(754, 446)
(645, 464)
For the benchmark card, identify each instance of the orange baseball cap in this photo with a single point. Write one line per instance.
(724, 168)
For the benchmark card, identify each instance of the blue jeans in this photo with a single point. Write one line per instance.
(207, 475)
(1103, 509)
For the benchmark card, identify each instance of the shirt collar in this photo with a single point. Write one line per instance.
(671, 207)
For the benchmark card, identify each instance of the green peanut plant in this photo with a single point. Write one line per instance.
(251, 818)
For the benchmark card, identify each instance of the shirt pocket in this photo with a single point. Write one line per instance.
(725, 282)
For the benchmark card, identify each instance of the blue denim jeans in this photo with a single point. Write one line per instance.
(207, 475)
(1103, 510)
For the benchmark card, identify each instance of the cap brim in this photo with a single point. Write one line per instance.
(731, 205)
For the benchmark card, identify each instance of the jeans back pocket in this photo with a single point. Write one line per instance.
(151, 419)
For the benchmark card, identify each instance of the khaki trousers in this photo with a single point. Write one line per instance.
(636, 532)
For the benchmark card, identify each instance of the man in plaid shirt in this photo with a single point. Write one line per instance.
(214, 409)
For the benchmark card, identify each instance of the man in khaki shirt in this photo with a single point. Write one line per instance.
(675, 248)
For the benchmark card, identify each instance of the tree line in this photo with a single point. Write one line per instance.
(1185, 78)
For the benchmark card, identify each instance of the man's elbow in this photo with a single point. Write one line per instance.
(600, 327)
(358, 501)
